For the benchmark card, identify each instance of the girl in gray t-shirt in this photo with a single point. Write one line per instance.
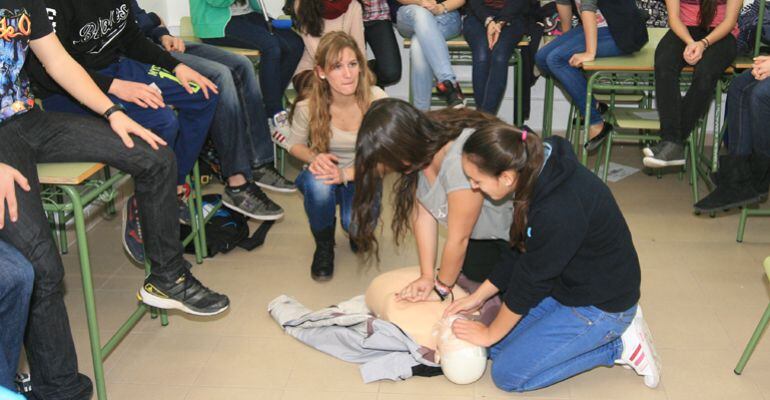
(431, 190)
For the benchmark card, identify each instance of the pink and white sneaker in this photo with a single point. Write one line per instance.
(639, 351)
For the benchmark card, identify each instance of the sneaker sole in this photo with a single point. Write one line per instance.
(254, 216)
(276, 188)
(169, 304)
(123, 237)
(744, 203)
(651, 162)
(648, 152)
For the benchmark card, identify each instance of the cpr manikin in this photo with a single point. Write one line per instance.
(461, 362)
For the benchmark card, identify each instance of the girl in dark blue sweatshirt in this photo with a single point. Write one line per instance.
(570, 284)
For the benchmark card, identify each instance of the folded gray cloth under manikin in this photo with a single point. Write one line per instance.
(351, 333)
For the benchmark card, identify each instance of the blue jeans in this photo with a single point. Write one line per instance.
(490, 67)
(240, 124)
(554, 342)
(747, 115)
(184, 128)
(553, 59)
(321, 201)
(429, 51)
(280, 53)
(16, 277)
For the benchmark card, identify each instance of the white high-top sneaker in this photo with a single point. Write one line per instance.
(639, 350)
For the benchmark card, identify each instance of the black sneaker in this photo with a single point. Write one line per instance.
(451, 93)
(267, 177)
(664, 154)
(23, 382)
(253, 202)
(132, 231)
(183, 212)
(186, 294)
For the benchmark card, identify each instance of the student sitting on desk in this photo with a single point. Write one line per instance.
(609, 28)
(743, 177)
(429, 23)
(702, 35)
(493, 29)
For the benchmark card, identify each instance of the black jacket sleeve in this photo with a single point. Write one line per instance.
(149, 23)
(554, 236)
(479, 10)
(137, 46)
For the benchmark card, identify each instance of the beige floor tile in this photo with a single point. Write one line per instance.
(437, 385)
(704, 374)
(673, 327)
(248, 362)
(740, 324)
(328, 375)
(612, 383)
(297, 394)
(737, 288)
(422, 396)
(229, 393)
(127, 391)
(113, 307)
(155, 359)
(485, 388)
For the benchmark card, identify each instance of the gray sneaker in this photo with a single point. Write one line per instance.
(253, 202)
(267, 177)
(664, 154)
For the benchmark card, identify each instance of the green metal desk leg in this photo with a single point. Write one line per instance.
(752, 342)
(61, 225)
(587, 117)
(199, 211)
(111, 203)
(742, 224)
(88, 290)
(548, 107)
(519, 106)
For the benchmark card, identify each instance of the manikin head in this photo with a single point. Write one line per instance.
(461, 362)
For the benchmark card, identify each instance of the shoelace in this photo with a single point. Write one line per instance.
(255, 191)
(191, 281)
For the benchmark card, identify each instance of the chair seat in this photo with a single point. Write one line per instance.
(187, 34)
(619, 97)
(67, 173)
(634, 118)
(459, 43)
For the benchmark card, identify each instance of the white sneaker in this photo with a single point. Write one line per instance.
(639, 351)
(280, 129)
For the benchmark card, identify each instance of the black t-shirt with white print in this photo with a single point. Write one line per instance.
(20, 22)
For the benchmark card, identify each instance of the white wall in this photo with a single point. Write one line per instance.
(172, 10)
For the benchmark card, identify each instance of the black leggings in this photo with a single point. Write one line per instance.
(481, 258)
(678, 115)
(382, 40)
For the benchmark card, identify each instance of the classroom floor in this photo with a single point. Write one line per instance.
(702, 294)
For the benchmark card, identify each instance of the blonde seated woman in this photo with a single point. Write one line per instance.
(324, 129)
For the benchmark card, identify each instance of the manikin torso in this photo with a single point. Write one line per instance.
(461, 361)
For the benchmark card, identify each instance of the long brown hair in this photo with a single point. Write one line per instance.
(319, 93)
(397, 137)
(707, 11)
(308, 15)
(496, 148)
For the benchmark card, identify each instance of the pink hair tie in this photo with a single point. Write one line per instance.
(524, 135)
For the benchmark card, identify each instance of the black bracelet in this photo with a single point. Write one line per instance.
(112, 110)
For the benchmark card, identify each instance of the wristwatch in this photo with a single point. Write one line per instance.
(112, 110)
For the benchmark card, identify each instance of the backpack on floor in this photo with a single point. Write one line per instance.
(226, 230)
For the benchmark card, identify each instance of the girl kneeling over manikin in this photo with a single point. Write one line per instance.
(570, 284)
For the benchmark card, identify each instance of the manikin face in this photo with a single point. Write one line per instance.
(343, 74)
(496, 187)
